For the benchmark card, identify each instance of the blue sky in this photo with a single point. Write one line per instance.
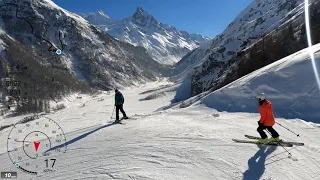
(207, 17)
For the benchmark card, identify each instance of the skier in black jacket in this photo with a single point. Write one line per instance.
(119, 101)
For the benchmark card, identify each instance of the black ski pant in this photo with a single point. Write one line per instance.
(120, 107)
(263, 135)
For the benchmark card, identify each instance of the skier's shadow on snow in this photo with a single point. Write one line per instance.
(79, 137)
(257, 163)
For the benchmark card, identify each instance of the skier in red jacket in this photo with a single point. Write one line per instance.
(266, 121)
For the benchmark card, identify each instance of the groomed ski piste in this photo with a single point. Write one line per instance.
(193, 143)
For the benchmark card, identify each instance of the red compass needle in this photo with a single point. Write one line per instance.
(36, 145)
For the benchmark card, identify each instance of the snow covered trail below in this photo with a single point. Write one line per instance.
(93, 111)
(178, 144)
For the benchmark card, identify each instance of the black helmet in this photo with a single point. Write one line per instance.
(116, 90)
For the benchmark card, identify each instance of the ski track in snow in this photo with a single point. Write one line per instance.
(189, 143)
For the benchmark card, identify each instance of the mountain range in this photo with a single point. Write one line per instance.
(164, 43)
(31, 31)
(102, 53)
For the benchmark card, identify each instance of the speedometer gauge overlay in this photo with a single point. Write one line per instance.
(34, 147)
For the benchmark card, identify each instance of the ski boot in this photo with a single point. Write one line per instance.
(117, 121)
(263, 141)
(125, 117)
(277, 139)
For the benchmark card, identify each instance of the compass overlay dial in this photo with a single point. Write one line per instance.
(34, 146)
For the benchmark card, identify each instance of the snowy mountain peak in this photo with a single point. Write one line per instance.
(143, 18)
(88, 52)
(164, 43)
(98, 18)
(140, 9)
(103, 14)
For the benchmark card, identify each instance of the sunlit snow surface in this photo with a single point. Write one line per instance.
(177, 144)
(311, 50)
(289, 83)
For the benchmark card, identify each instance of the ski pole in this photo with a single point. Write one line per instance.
(280, 144)
(112, 112)
(289, 130)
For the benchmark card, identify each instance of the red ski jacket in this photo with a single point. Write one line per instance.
(266, 113)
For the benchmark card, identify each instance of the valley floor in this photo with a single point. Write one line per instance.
(178, 144)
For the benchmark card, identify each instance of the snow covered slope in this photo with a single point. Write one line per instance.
(182, 144)
(259, 17)
(164, 43)
(289, 83)
(208, 62)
